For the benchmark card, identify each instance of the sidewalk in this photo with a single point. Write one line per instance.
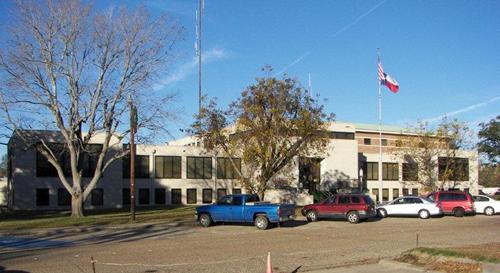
(383, 266)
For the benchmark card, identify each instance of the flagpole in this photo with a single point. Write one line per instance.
(380, 182)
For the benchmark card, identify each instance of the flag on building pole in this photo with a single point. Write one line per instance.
(387, 80)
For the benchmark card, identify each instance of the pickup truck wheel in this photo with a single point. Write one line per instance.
(312, 216)
(423, 214)
(205, 220)
(353, 217)
(261, 222)
(458, 212)
(489, 211)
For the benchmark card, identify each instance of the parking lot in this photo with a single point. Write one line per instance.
(297, 247)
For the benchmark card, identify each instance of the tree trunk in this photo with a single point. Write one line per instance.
(77, 205)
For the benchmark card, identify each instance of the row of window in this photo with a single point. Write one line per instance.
(368, 141)
(395, 193)
(143, 197)
(456, 169)
(170, 167)
(87, 162)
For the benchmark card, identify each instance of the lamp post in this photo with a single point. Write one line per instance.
(360, 181)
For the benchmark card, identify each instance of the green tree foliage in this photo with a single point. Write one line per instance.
(489, 175)
(272, 122)
(489, 140)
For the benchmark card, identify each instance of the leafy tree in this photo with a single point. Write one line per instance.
(489, 140)
(422, 145)
(273, 122)
(489, 175)
(71, 68)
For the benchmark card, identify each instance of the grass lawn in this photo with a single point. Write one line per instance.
(14, 221)
(481, 253)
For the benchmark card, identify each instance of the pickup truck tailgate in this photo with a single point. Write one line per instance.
(286, 210)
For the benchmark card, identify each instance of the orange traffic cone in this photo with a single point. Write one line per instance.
(269, 266)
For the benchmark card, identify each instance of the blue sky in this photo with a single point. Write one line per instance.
(444, 54)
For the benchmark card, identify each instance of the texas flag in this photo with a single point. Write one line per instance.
(386, 80)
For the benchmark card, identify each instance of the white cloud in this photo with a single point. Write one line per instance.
(189, 67)
(463, 110)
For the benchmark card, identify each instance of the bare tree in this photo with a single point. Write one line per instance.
(432, 153)
(71, 68)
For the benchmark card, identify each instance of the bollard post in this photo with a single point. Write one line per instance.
(93, 264)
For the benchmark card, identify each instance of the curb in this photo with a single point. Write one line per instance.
(405, 266)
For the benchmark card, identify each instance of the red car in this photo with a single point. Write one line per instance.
(457, 203)
(352, 207)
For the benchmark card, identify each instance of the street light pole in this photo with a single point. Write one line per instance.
(133, 128)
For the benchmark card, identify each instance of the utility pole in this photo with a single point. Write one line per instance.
(133, 128)
(198, 48)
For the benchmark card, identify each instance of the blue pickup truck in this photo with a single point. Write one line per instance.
(244, 208)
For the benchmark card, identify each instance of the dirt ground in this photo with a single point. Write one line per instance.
(296, 247)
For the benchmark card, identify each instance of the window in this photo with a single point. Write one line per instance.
(341, 135)
(456, 169)
(236, 191)
(405, 192)
(355, 199)
(385, 194)
(367, 141)
(125, 197)
(220, 193)
(375, 192)
(199, 167)
(45, 169)
(225, 169)
(414, 192)
(343, 199)
(141, 166)
(390, 171)
(191, 196)
(410, 172)
(176, 196)
(237, 201)
(63, 197)
(168, 167)
(225, 200)
(481, 199)
(207, 196)
(97, 197)
(143, 196)
(368, 199)
(372, 170)
(453, 197)
(384, 142)
(42, 197)
(395, 193)
(89, 159)
(160, 196)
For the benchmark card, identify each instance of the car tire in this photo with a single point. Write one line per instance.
(205, 220)
(458, 212)
(353, 217)
(489, 211)
(312, 216)
(261, 222)
(382, 213)
(424, 214)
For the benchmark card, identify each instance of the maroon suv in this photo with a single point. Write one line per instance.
(352, 207)
(457, 203)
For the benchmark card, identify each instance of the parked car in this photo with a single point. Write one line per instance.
(457, 203)
(352, 207)
(410, 205)
(244, 208)
(485, 204)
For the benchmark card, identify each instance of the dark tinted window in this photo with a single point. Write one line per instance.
(355, 199)
(143, 196)
(390, 171)
(237, 200)
(417, 201)
(342, 135)
(414, 192)
(481, 199)
(384, 142)
(225, 169)
(97, 198)
(343, 199)
(141, 169)
(42, 197)
(455, 169)
(168, 166)
(410, 172)
(385, 194)
(372, 170)
(63, 197)
(237, 191)
(225, 200)
(367, 141)
(176, 196)
(199, 167)
(191, 196)
(220, 193)
(126, 196)
(207, 196)
(252, 198)
(405, 192)
(160, 197)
